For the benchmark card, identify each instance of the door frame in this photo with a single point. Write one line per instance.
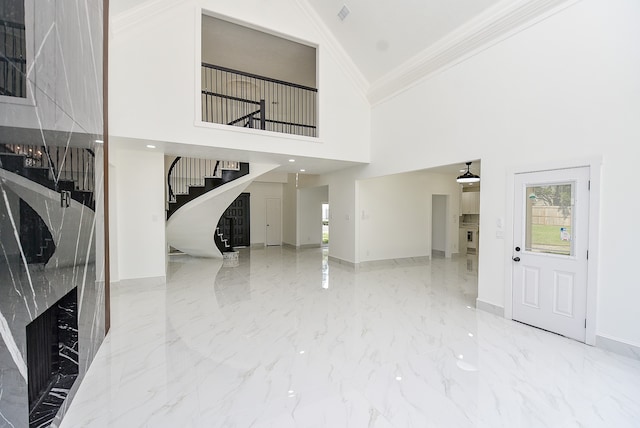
(266, 218)
(447, 224)
(595, 165)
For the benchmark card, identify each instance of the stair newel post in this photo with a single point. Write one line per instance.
(171, 180)
(263, 114)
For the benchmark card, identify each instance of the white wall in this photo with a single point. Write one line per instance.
(290, 211)
(438, 222)
(310, 202)
(562, 90)
(113, 225)
(260, 192)
(343, 205)
(140, 222)
(156, 73)
(265, 54)
(394, 214)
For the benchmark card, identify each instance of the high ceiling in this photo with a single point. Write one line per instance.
(380, 35)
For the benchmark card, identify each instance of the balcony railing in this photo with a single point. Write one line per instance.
(236, 98)
(13, 63)
(70, 164)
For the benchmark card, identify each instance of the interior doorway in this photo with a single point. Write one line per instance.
(325, 224)
(440, 226)
(274, 222)
(235, 222)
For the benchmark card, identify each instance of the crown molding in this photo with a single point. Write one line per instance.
(494, 25)
(142, 12)
(335, 49)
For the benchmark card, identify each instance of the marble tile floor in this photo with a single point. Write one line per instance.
(46, 410)
(288, 339)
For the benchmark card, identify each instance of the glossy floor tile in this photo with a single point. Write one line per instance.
(288, 339)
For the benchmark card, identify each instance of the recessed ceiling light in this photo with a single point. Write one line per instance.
(302, 170)
(150, 146)
(344, 12)
(292, 160)
(99, 141)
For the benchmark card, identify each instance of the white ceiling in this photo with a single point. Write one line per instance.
(380, 35)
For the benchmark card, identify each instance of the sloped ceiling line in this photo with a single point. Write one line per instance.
(496, 24)
(490, 27)
(335, 48)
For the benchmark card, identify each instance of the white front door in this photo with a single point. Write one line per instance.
(274, 222)
(551, 229)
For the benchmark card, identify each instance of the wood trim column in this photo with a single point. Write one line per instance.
(105, 139)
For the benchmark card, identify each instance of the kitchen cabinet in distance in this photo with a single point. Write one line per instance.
(470, 202)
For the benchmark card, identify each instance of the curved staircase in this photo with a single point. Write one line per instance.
(58, 203)
(193, 222)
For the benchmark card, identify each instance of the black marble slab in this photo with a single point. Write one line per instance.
(50, 248)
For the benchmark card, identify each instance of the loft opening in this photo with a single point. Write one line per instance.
(257, 80)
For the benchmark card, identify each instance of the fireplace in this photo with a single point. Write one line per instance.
(52, 358)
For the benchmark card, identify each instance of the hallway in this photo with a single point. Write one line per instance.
(288, 338)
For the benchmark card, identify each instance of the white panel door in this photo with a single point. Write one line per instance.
(551, 229)
(274, 222)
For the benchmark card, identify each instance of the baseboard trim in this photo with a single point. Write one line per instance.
(257, 245)
(490, 307)
(390, 263)
(342, 262)
(305, 246)
(618, 346)
(146, 281)
(438, 253)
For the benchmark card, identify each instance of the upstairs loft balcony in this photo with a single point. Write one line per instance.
(235, 98)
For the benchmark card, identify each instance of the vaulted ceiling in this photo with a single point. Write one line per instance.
(380, 35)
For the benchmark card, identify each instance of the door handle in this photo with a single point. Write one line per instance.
(516, 259)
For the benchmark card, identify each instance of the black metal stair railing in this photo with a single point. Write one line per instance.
(68, 169)
(189, 178)
(189, 172)
(248, 100)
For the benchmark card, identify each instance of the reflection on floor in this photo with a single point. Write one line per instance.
(288, 339)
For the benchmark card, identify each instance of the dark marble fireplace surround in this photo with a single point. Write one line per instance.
(52, 358)
(60, 105)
